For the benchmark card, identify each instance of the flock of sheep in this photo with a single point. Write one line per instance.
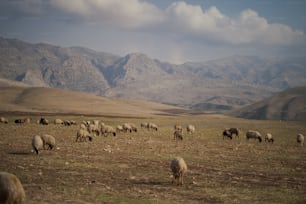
(11, 190)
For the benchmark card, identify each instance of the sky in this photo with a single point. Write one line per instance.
(168, 30)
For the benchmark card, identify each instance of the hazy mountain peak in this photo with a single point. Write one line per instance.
(232, 81)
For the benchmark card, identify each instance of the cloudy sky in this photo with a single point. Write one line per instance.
(169, 30)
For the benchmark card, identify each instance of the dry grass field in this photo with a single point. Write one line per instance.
(134, 167)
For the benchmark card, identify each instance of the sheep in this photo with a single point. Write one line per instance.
(227, 133)
(11, 189)
(190, 128)
(67, 122)
(144, 125)
(106, 129)
(234, 131)
(178, 127)
(152, 126)
(178, 135)
(19, 121)
(94, 128)
(300, 139)
(82, 134)
(3, 120)
(37, 143)
(178, 167)
(27, 120)
(83, 126)
(72, 122)
(43, 121)
(58, 121)
(269, 138)
(48, 141)
(119, 128)
(133, 126)
(127, 127)
(251, 134)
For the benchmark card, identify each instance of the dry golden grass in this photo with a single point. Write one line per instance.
(48, 100)
(134, 168)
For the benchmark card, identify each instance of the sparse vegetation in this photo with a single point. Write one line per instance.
(119, 169)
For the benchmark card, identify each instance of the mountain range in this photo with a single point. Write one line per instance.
(221, 84)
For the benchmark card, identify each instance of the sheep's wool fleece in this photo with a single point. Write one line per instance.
(178, 165)
(11, 190)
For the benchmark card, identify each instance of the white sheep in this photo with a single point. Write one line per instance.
(178, 168)
(11, 189)
(107, 129)
(127, 127)
(37, 143)
(3, 120)
(269, 138)
(152, 126)
(300, 139)
(94, 129)
(119, 128)
(48, 141)
(58, 121)
(251, 134)
(190, 128)
(82, 134)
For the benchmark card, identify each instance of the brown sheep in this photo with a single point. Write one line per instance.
(11, 189)
(178, 168)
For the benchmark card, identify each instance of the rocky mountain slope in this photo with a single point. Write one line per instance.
(286, 105)
(218, 84)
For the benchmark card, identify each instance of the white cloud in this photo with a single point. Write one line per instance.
(127, 13)
(183, 19)
(247, 28)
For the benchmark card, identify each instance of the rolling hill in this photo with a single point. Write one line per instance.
(20, 98)
(219, 84)
(287, 105)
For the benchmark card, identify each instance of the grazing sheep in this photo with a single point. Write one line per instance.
(178, 168)
(49, 141)
(269, 138)
(94, 129)
(152, 126)
(133, 126)
(190, 128)
(144, 125)
(72, 122)
(58, 121)
(178, 127)
(119, 128)
(227, 133)
(234, 131)
(11, 189)
(19, 121)
(27, 120)
(83, 126)
(107, 129)
(43, 121)
(178, 135)
(96, 122)
(300, 139)
(37, 143)
(3, 120)
(67, 122)
(127, 127)
(82, 134)
(251, 134)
